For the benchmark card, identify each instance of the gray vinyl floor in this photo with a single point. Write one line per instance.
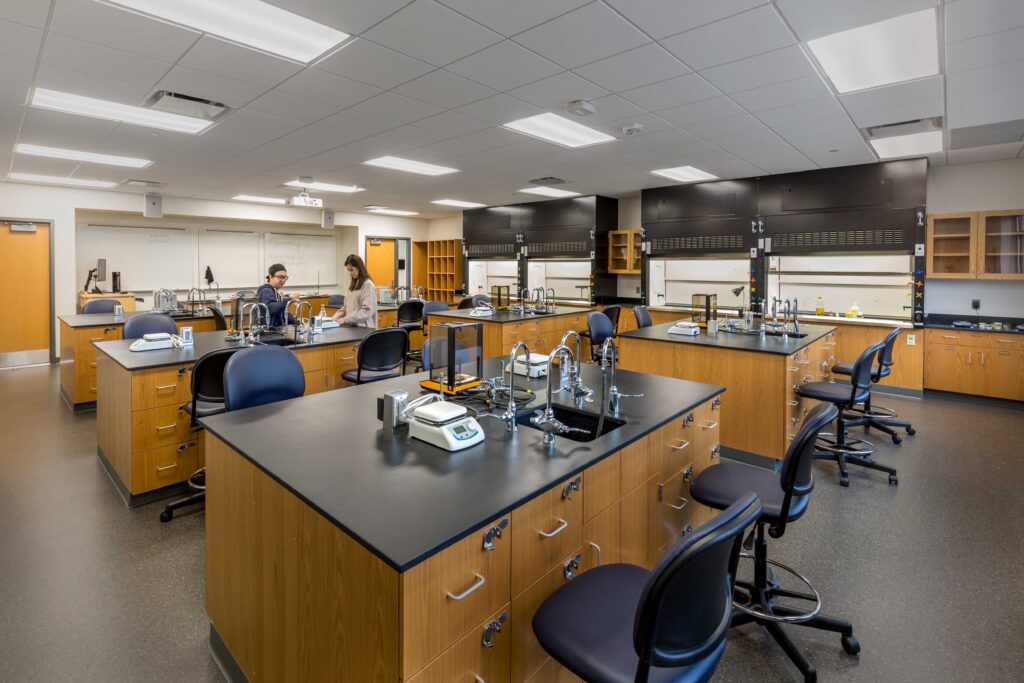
(929, 571)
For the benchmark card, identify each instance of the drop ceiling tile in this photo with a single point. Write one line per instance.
(286, 105)
(56, 129)
(354, 125)
(981, 108)
(1008, 75)
(503, 155)
(238, 63)
(431, 32)
(849, 148)
(798, 90)
(775, 157)
(391, 105)
(651, 124)
(798, 113)
(500, 109)
(25, 13)
(972, 18)
(91, 85)
(701, 112)
(911, 111)
(121, 29)
(584, 35)
(816, 18)
(693, 147)
(373, 64)
(196, 83)
(660, 18)
(759, 137)
(504, 66)
(54, 167)
(1006, 46)
(833, 124)
(671, 93)
(556, 92)
(724, 165)
(633, 68)
(466, 144)
(609, 108)
(772, 67)
(510, 17)
(664, 139)
(19, 41)
(743, 35)
(16, 79)
(890, 95)
(251, 128)
(451, 124)
(351, 16)
(444, 90)
(99, 60)
(10, 121)
(734, 125)
(326, 87)
(990, 153)
(136, 141)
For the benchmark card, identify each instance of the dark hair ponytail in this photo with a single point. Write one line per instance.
(355, 261)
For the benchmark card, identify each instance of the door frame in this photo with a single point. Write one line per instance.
(52, 312)
(408, 259)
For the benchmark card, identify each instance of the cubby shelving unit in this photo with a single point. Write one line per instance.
(444, 269)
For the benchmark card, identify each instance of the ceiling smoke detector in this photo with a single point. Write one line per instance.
(185, 105)
(633, 129)
(550, 180)
(581, 108)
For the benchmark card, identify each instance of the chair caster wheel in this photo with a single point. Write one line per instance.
(851, 645)
(166, 515)
(911, 431)
(894, 480)
(896, 439)
(844, 481)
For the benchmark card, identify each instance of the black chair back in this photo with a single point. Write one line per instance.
(208, 378)
(861, 375)
(686, 606)
(643, 318)
(432, 307)
(219, 322)
(149, 323)
(466, 303)
(410, 311)
(600, 328)
(383, 349)
(99, 306)
(795, 476)
(262, 374)
(335, 299)
(885, 355)
(613, 313)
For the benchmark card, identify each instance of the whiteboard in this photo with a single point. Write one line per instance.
(303, 256)
(234, 258)
(147, 258)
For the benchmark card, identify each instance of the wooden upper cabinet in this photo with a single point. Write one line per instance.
(624, 252)
(1001, 245)
(952, 245)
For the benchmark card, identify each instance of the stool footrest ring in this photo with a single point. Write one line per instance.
(752, 610)
(851, 447)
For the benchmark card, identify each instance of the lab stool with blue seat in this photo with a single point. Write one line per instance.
(868, 416)
(845, 397)
(259, 375)
(784, 499)
(619, 623)
(150, 323)
(599, 328)
(207, 399)
(99, 306)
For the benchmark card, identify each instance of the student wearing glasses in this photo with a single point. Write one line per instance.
(270, 293)
(360, 309)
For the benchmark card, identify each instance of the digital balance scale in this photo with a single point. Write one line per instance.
(687, 327)
(534, 367)
(446, 425)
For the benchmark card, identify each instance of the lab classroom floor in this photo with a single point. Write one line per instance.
(929, 572)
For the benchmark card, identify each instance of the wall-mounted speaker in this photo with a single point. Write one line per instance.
(327, 219)
(153, 206)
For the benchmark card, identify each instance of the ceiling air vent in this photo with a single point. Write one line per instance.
(546, 181)
(889, 130)
(186, 105)
(989, 134)
(143, 183)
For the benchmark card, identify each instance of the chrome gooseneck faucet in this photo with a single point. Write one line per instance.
(608, 359)
(551, 306)
(509, 416)
(545, 420)
(256, 327)
(796, 324)
(577, 389)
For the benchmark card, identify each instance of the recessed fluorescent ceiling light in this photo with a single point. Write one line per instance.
(684, 174)
(75, 155)
(458, 202)
(395, 212)
(253, 198)
(115, 111)
(891, 51)
(249, 22)
(58, 180)
(324, 187)
(559, 130)
(410, 166)
(908, 145)
(549, 191)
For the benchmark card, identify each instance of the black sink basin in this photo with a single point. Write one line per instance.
(794, 335)
(572, 417)
(277, 341)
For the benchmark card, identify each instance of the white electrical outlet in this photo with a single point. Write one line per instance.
(911, 340)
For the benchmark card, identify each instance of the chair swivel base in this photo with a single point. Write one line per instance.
(833, 451)
(882, 423)
(191, 499)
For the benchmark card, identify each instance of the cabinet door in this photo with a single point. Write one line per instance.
(1001, 245)
(1000, 371)
(952, 245)
(948, 368)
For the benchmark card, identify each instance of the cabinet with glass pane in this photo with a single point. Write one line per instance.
(1001, 245)
(624, 252)
(952, 245)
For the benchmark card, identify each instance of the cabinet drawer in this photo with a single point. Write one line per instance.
(161, 387)
(636, 462)
(671, 509)
(483, 654)
(527, 654)
(312, 359)
(161, 467)
(85, 352)
(85, 389)
(157, 427)
(602, 537)
(546, 529)
(344, 358)
(316, 382)
(1005, 341)
(957, 337)
(601, 484)
(447, 595)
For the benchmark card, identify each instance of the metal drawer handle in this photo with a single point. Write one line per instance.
(807, 378)
(92, 390)
(160, 429)
(678, 507)
(92, 365)
(793, 403)
(348, 357)
(949, 336)
(598, 549)
(97, 338)
(183, 447)
(563, 525)
(794, 369)
(166, 467)
(469, 591)
(680, 444)
(709, 425)
(803, 362)
(1004, 341)
(167, 386)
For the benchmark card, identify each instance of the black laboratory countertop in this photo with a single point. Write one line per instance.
(107, 319)
(205, 342)
(737, 342)
(505, 316)
(406, 500)
(943, 321)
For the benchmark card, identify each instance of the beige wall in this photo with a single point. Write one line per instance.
(449, 228)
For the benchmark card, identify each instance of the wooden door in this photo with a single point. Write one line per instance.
(25, 337)
(380, 261)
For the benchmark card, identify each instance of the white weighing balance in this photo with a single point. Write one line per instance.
(687, 327)
(446, 425)
(533, 367)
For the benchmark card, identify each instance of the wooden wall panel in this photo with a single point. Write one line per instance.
(114, 415)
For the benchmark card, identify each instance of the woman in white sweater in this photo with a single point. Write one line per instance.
(360, 309)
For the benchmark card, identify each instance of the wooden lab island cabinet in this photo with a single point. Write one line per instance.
(388, 599)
